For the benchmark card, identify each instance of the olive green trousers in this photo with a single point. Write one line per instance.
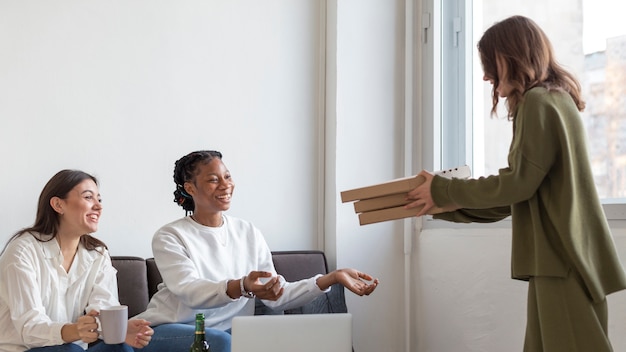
(561, 317)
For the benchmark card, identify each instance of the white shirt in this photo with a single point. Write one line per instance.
(196, 262)
(37, 296)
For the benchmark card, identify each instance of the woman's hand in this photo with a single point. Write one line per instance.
(264, 285)
(351, 279)
(85, 329)
(421, 197)
(139, 333)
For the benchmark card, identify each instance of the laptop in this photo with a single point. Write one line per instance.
(330, 332)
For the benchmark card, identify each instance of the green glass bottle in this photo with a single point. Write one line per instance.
(200, 343)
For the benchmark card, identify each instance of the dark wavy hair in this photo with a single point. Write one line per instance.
(47, 219)
(527, 54)
(185, 170)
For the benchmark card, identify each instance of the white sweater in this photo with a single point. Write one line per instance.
(196, 262)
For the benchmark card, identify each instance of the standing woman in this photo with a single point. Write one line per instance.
(561, 244)
(55, 277)
(212, 263)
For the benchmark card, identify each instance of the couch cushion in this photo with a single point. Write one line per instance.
(132, 283)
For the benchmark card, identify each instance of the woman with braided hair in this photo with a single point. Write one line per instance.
(215, 264)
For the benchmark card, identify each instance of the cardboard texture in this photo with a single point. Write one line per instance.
(374, 216)
(383, 202)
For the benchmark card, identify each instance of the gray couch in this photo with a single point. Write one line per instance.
(138, 279)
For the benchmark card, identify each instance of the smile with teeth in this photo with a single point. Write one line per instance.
(224, 197)
(93, 217)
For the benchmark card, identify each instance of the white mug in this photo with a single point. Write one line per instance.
(113, 324)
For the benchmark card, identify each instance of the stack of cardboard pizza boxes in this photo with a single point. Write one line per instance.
(386, 201)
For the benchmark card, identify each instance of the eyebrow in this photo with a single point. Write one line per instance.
(88, 191)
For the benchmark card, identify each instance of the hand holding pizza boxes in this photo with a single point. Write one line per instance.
(386, 201)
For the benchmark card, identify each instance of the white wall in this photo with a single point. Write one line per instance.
(122, 89)
(466, 298)
(369, 131)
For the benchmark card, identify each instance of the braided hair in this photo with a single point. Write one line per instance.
(185, 170)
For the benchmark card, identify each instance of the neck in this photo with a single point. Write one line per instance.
(67, 244)
(211, 220)
(69, 248)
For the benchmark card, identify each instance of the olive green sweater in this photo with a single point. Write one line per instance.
(548, 189)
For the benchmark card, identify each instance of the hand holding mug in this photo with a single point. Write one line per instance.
(87, 327)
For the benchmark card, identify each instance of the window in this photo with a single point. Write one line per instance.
(588, 38)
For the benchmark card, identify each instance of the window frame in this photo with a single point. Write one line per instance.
(448, 139)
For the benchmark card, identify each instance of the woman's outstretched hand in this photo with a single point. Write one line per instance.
(422, 199)
(351, 279)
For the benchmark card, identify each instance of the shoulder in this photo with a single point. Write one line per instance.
(539, 97)
(25, 242)
(26, 248)
(239, 224)
(174, 230)
(179, 225)
(535, 93)
(99, 254)
(236, 221)
(546, 106)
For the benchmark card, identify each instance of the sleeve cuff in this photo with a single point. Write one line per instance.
(439, 191)
(318, 288)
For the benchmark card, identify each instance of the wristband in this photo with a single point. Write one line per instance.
(245, 293)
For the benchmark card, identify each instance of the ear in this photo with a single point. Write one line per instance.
(189, 188)
(57, 204)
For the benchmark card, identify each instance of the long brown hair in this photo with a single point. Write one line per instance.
(525, 50)
(47, 219)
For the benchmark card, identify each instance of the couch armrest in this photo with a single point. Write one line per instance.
(132, 284)
(154, 276)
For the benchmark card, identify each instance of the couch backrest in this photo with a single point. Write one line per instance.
(298, 265)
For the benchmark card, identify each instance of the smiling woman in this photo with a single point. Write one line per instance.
(216, 264)
(69, 207)
(44, 310)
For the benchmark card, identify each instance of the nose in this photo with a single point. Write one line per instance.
(226, 182)
(485, 78)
